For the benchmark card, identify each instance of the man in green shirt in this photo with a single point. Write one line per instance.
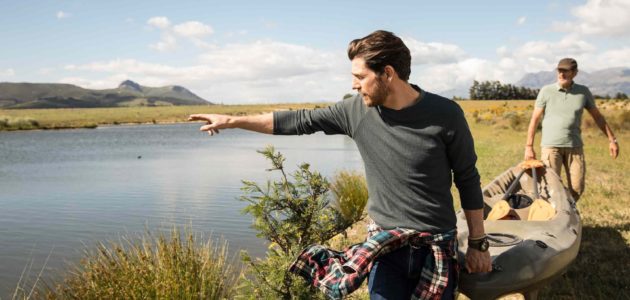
(560, 105)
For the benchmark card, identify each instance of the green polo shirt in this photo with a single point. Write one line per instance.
(563, 114)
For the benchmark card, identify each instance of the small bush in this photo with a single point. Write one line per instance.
(622, 121)
(10, 123)
(516, 120)
(291, 213)
(152, 268)
(351, 194)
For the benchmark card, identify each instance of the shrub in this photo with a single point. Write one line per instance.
(9, 123)
(152, 268)
(291, 215)
(351, 194)
(622, 121)
(517, 121)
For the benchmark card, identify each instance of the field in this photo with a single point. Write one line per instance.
(20, 119)
(601, 270)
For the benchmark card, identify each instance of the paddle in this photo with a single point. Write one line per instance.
(502, 208)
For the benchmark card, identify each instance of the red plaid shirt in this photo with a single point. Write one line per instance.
(339, 273)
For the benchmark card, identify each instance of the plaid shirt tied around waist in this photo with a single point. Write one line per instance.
(339, 273)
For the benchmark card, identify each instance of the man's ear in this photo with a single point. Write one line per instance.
(389, 72)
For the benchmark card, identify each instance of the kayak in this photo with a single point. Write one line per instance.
(534, 231)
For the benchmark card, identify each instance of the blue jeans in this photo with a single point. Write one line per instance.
(395, 275)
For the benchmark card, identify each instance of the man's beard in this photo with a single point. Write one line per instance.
(380, 94)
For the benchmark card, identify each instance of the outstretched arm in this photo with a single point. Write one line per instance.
(259, 123)
(603, 126)
(531, 133)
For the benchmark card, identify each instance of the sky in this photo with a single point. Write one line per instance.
(239, 52)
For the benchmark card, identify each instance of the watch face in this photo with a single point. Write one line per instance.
(484, 245)
(481, 245)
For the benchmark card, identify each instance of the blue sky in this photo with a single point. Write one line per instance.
(285, 51)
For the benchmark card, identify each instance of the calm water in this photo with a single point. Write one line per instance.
(61, 191)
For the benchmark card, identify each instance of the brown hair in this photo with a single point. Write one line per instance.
(380, 49)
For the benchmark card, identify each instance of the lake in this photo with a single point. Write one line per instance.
(63, 191)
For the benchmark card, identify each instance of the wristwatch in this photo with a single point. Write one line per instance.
(481, 244)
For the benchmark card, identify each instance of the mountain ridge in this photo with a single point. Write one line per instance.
(603, 82)
(62, 95)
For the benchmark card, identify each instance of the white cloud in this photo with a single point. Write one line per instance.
(433, 53)
(62, 15)
(543, 55)
(599, 17)
(460, 75)
(511, 66)
(269, 58)
(503, 51)
(262, 71)
(193, 29)
(521, 20)
(159, 22)
(7, 73)
(166, 43)
(607, 59)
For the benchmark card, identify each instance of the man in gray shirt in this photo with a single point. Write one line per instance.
(560, 105)
(414, 144)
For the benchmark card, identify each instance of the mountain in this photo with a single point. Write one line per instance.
(128, 93)
(603, 82)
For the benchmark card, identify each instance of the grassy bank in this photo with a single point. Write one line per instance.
(25, 119)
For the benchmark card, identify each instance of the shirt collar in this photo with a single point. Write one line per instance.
(560, 88)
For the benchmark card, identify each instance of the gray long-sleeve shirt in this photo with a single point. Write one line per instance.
(409, 156)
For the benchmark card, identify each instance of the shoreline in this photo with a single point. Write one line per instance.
(77, 118)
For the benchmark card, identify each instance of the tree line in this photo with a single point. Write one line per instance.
(495, 90)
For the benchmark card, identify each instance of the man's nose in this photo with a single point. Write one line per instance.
(355, 84)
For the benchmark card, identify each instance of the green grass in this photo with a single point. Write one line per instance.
(175, 266)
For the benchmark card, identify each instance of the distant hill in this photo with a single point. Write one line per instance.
(604, 82)
(128, 93)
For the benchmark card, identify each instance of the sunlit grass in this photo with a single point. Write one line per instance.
(91, 117)
(175, 266)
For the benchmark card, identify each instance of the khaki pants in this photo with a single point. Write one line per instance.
(573, 161)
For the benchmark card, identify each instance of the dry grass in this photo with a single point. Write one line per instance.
(179, 266)
(91, 117)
